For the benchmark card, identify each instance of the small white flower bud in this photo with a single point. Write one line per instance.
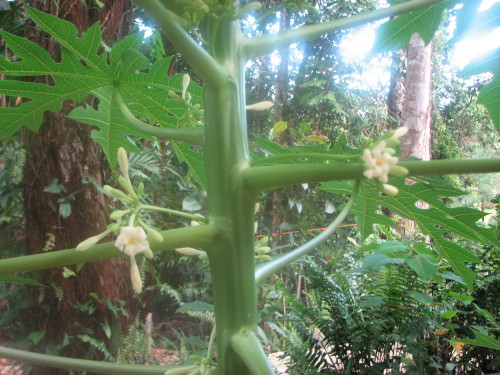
(400, 132)
(264, 250)
(149, 254)
(260, 106)
(115, 193)
(189, 251)
(185, 83)
(135, 275)
(89, 242)
(123, 160)
(398, 171)
(390, 190)
(118, 214)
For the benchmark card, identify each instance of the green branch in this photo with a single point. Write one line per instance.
(201, 236)
(258, 46)
(259, 179)
(265, 270)
(195, 217)
(305, 155)
(202, 63)
(82, 364)
(246, 345)
(189, 135)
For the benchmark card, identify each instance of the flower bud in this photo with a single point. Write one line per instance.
(390, 190)
(189, 251)
(123, 160)
(260, 106)
(115, 193)
(398, 171)
(185, 83)
(181, 371)
(140, 188)
(263, 257)
(118, 214)
(263, 250)
(89, 242)
(155, 235)
(148, 254)
(264, 240)
(135, 275)
(400, 132)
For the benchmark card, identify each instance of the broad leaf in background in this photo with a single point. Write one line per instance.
(194, 160)
(489, 96)
(481, 24)
(396, 33)
(483, 340)
(435, 221)
(84, 69)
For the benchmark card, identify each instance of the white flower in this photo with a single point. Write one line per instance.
(378, 161)
(132, 241)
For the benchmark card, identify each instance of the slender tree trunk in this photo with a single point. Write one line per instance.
(416, 115)
(63, 150)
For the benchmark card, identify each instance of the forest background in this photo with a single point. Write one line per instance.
(318, 308)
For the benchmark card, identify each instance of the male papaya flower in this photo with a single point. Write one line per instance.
(378, 161)
(132, 241)
(381, 163)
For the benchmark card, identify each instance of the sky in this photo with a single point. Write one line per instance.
(358, 45)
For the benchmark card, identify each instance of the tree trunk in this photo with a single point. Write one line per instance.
(416, 115)
(63, 150)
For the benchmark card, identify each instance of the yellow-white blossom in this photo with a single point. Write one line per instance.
(132, 241)
(378, 161)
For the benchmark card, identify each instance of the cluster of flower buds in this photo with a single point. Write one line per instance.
(132, 238)
(261, 250)
(380, 162)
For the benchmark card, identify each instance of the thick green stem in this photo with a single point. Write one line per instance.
(265, 270)
(258, 46)
(230, 206)
(82, 364)
(202, 63)
(189, 135)
(201, 236)
(261, 178)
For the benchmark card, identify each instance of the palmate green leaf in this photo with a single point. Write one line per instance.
(483, 340)
(194, 160)
(435, 221)
(424, 266)
(396, 33)
(84, 69)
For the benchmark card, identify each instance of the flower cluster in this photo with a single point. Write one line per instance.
(380, 162)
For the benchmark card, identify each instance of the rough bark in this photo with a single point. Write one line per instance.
(416, 115)
(63, 149)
